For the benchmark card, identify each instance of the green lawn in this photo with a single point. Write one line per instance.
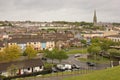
(100, 60)
(58, 74)
(74, 51)
(107, 74)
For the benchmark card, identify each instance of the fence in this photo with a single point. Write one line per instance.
(59, 75)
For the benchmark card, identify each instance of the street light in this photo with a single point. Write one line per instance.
(5, 39)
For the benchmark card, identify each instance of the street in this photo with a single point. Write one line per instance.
(72, 60)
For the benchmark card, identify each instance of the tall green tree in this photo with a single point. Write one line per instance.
(94, 50)
(95, 40)
(56, 54)
(105, 44)
(114, 52)
(60, 55)
(84, 42)
(30, 52)
(50, 54)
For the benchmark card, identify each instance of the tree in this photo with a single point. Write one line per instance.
(84, 42)
(56, 54)
(60, 55)
(30, 52)
(2, 56)
(94, 49)
(12, 52)
(114, 52)
(12, 70)
(105, 44)
(95, 40)
(50, 54)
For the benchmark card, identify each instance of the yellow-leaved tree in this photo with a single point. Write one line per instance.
(30, 52)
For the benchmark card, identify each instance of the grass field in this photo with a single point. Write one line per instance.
(101, 60)
(57, 74)
(74, 51)
(107, 74)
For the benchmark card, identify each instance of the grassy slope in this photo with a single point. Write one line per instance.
(108, 74)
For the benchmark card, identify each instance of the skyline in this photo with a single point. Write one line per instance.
(64, 10)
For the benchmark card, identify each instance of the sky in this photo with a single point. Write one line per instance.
(60, 10)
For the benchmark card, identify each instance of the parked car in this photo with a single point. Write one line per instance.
(74, 66)
(68, 66)
(77, 55)
(60, 67)
(64, 67)
(44, 58)
(54, 69)
(91, 64)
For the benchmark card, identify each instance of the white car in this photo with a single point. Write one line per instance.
(77, 55)
(68, 66)
(60, 66)
(64, 66)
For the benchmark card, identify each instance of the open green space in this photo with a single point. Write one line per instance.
(107, 74)
(100, 60)
(75, 51)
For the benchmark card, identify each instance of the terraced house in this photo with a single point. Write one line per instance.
(36, 41)
(21, 67)
(115, 38)
(39, 42)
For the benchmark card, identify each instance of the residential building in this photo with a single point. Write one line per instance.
(22, 67)
(115, 38)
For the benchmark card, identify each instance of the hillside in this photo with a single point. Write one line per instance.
(107, 74)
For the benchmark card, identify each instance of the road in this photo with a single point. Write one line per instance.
(72, 60)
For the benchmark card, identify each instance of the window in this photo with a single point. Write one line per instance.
(28, 68)
(40, 67)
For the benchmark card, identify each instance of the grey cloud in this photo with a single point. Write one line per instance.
(71, 10)
(39, 4)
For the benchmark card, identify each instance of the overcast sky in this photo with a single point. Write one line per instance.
(63, 10)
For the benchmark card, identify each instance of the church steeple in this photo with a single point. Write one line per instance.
(95, 18)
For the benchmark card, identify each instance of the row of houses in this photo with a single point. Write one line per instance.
(22, 67)
(38, 24)
(39, 42)
(115, 38)
(47, 41)
(108, 32)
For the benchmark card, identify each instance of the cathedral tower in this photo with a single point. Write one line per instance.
(95, 18)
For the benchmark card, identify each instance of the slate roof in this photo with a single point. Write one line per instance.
(114, 36)
(39, 38)
(25, 40)
(21, 64)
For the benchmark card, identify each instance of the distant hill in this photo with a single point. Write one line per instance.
(107, 74)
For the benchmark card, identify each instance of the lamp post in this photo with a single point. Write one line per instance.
(5, 38)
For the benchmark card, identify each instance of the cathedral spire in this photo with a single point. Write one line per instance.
(95, 18)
